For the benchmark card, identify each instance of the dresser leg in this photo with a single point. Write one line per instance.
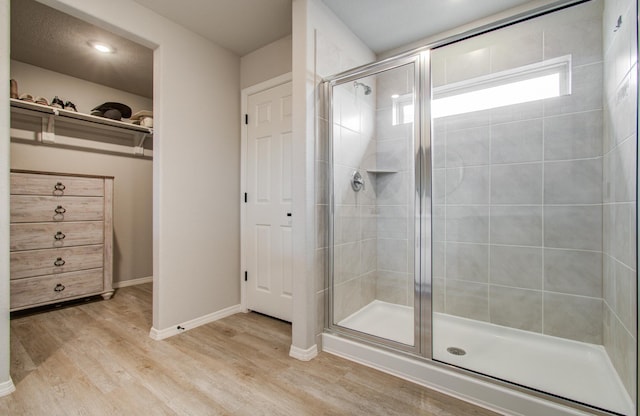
(107, 296)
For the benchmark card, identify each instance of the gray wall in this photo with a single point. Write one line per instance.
(619, 185)
(355, 243)
(518, 190)
(133, 176)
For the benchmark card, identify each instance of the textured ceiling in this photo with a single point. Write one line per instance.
(384, 24)
(241, 26)
(50, 39)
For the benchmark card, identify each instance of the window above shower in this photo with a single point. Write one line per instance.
(546, 79)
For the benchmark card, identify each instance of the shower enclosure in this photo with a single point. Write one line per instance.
(483, 204)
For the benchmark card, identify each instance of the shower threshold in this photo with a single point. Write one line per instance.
(575, 370)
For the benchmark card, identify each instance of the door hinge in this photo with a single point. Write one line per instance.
(246, 276)
(246, 119)
(245, 197)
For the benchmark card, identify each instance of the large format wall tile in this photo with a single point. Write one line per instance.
(626, 289)
(573, 182)
(516, 225)
(392, 188)
(392, 287)
(517, 142)
(467, 299)
(392, 221)
(516, 308)
(469, 224)
(573, 317)
(516, 266)
(392, 255)
(623, 240)
(469, 147)
(468, 185)
(467, 262)
(573, 272)
(573, 136)
(517, 184)
(573, 226)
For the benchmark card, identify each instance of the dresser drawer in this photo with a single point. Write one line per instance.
(29, 236)
(46, 289)
(55, 261)
(52, 185)
(27, 208)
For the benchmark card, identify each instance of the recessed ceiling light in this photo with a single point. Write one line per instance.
(101, 47)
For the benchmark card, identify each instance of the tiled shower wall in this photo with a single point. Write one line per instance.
(355, 243)
(619, 186)
(373, 234)
(394, 196)
(517, 191)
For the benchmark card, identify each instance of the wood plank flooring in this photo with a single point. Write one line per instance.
(97, 359)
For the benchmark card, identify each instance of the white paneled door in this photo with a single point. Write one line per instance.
(267, 237)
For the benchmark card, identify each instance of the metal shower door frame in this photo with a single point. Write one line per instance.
(422, 201)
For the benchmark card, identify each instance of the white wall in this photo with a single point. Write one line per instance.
(133, 205)
(314, 26)
(6, 386)
(84, 94)
(196, 160)
(266, 63)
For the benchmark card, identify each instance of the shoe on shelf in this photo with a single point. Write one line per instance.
(13, 88)
(57, 102)
(41, 101)
(26, 97)
(70, 106)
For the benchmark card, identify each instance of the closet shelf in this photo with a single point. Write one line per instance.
(56, 126)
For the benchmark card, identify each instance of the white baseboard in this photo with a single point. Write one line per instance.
(7, 387)
(159, 334)
(133, 282)
(302, 354)
(481, 393)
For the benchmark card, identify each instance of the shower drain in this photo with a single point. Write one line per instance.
(456, 351)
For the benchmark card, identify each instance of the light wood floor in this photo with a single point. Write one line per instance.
(97, 359)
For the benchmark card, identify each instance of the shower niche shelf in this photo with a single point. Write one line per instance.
(382, 171)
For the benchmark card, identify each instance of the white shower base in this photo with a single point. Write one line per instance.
(384, 320)
(571, 369)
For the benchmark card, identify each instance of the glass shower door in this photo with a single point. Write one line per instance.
(534, 201)
(373, 220)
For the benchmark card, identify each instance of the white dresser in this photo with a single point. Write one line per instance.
(61, 237)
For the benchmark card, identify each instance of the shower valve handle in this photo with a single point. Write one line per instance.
(357, 181)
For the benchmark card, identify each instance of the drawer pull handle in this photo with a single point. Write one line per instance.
(59, 187)
(59, 236)
(59, 287)
(59, 262)
(60, 209)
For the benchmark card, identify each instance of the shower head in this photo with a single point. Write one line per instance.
(365, 87)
